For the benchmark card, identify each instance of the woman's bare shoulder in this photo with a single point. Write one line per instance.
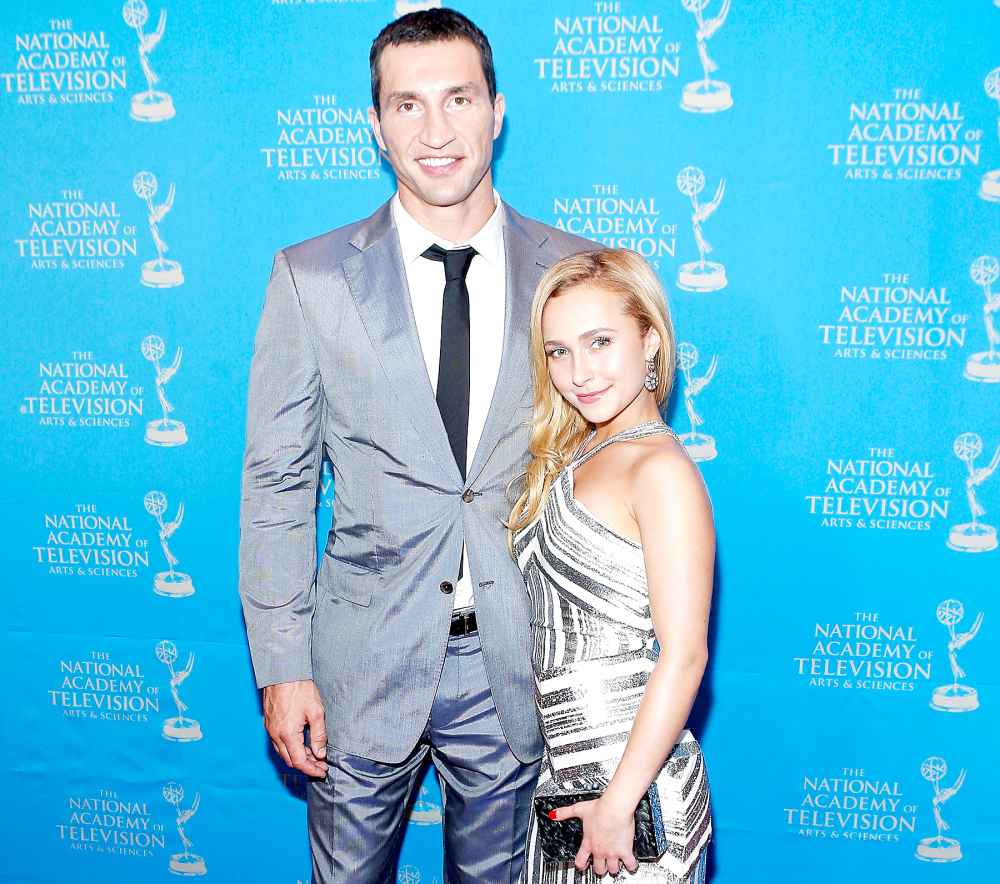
(662, 469)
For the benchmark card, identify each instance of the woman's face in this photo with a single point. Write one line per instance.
(595, 353)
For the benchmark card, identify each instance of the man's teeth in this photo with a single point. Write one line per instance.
(436, 161)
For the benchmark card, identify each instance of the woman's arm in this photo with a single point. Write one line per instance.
(674, 515)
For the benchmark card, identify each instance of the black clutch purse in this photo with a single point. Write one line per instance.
(673, 821)
(561, 839)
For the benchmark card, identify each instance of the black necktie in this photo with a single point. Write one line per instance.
(453, 365)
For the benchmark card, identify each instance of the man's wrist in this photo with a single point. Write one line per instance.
(282, 675)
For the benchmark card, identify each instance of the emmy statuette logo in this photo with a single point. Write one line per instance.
(989, 186)
(956, 697)
(151, 106)
(186, 863)
(974, 536)
(179, 728)
(161, 273)
(940, 848)
(706, 96)
(985, 366)
(404, 7)
(170, 583)
(166, 431)
(700, 446)
(425, 812)
(700, 275)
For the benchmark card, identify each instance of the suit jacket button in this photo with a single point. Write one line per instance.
(447, 587)
(469, 495)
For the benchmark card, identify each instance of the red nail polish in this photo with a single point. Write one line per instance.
(553, 815)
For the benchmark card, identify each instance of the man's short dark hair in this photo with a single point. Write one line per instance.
(430, 26)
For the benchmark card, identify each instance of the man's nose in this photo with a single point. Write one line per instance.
(438, 131)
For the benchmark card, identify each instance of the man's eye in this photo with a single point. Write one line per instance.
(461, 99)
(406, 107)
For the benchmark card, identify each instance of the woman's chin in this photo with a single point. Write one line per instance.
(597, 412)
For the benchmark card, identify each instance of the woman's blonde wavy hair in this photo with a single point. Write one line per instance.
(557, 428)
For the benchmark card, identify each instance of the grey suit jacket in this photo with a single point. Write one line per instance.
(337, 368)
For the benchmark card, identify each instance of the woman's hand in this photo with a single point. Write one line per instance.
(608, 836)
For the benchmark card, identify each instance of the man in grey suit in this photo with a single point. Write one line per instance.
(398, 347)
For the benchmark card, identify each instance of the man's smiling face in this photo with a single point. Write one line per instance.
(437, 123)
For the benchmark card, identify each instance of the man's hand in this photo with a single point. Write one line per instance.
(288, 708)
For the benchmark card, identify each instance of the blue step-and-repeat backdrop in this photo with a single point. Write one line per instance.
(818, 186)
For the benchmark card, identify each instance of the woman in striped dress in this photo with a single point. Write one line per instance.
(613, 533)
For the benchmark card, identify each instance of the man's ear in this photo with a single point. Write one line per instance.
(499, 109)
(376, 125)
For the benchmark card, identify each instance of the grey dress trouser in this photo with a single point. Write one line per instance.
(357, 814)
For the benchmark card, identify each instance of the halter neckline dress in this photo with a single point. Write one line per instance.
(593, 648)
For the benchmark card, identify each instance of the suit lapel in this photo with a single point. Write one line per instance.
(525, 264)
(378, 285)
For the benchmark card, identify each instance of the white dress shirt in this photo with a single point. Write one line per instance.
(486, 281)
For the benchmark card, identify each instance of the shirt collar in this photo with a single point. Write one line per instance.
(414, 238)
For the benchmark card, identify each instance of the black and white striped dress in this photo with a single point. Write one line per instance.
(593, 651)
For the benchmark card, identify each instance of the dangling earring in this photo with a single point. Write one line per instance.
(652, 379)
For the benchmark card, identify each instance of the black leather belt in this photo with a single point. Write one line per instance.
(463, 623)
